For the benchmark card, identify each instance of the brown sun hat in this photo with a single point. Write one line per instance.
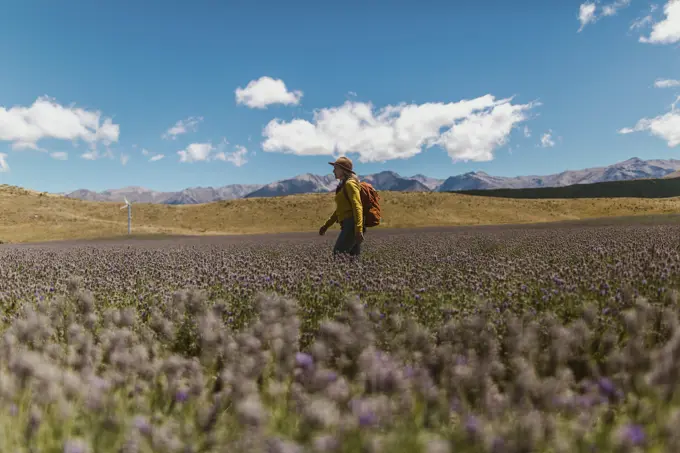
(343, 162)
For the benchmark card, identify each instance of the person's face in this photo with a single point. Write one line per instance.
(337, 171)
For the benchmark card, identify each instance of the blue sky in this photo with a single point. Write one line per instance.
(489, 69)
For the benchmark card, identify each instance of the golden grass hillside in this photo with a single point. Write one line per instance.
(27, 216)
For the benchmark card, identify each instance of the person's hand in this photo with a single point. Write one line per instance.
(359, 237)
(322, 230)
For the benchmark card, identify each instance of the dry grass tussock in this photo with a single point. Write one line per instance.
(28, 216)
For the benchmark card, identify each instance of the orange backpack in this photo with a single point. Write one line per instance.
(370, 202)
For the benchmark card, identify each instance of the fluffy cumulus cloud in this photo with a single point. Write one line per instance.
(666, 30)
(237, 157)
(467, 130)
(182, 127)
(586, 14)
(266, 91)
(24, 127)
(206, 152)
(196, 152)
(666, 127)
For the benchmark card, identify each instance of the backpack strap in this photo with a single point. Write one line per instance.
(344, 183)
(344, 192)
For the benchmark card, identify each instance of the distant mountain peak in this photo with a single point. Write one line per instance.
(631, 161)
(475, 173)
(387, 180)
(388, 172)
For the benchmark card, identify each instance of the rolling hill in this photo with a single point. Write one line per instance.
(28, 216)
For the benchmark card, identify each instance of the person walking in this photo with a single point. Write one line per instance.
(348, 210)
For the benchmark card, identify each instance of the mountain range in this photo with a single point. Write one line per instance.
(630, 169)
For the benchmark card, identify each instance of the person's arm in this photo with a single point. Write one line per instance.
(354, 195)
(331, 220)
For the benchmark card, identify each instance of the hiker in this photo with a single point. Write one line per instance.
(348, 210)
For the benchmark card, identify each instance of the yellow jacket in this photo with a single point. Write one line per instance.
(348, 204)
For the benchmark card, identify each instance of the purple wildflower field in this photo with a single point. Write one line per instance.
(561, 339)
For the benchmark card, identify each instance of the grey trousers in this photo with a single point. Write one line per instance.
(346, 242)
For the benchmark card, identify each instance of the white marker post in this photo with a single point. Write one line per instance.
(128, 205)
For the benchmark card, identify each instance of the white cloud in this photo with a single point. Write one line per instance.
(96, 154)
(20, 146)
(59, 155)
(4, 167)
(124, 158)
(182, 127)
(586, 14)
(645, 20)
(467, 130)
(206, 152)
(196, 152)
(547, 140)
(527, 131)
(266, 91)
(237, 157)
(154, 158)
(666, 83)
(612, 8)
(666, 127)
(666, 31)
(46, 119)
(642, 22)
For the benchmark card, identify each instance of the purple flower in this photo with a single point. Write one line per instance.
(181, 395)
(586, 400)
(331, 376)
(454, 405)
(367, 418)
(141, 424)
(304, 360)
(606, 386)
(472, 425)
(634, 434)
(364, 412)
